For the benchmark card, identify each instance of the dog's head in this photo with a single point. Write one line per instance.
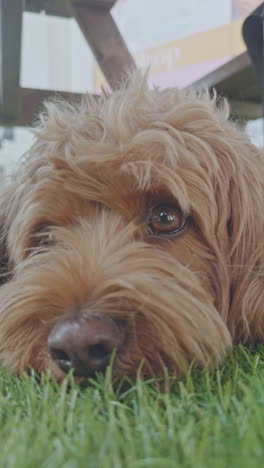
(134, 223)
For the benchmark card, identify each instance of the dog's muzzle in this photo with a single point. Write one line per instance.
(84, 344)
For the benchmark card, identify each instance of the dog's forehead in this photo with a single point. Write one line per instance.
(134, 145)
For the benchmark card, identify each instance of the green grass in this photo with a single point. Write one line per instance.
(210, 419)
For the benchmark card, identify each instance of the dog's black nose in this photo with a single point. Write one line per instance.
(84, 344)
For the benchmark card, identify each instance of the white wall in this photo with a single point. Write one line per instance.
(149, 23)
(55, 54)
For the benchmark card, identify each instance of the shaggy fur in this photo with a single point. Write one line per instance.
(75, 231)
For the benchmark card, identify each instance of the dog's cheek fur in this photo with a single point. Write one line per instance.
(5, 263)
(5, 273)
(240, 238)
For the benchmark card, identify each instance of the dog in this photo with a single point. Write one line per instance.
(133, 226)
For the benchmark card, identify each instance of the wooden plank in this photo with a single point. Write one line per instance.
(245, 110)
(225, 71)
(105, 40)
(10, 51)
(62, 7)
(50, 7)
(32, 103)
(235, 79)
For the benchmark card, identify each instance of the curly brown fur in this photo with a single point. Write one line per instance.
(75, 234)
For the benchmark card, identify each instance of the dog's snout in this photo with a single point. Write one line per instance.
(84, 344)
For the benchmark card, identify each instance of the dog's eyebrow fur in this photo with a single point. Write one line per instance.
(148, 176)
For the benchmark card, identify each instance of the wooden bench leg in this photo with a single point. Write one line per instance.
(105, 40)
(10, 53)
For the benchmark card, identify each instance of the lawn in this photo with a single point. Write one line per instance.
(210, 419)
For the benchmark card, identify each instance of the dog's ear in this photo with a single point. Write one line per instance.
(245, 250)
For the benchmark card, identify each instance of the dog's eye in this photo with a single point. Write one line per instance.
(47, 239)
(43, 239)
(166, 220)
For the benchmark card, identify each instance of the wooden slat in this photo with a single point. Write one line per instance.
(235, 79)
(105, 40)
(61, 7)
(32, 103)
(50, 7)
(10, 47)
(233, 66)
(245, 110)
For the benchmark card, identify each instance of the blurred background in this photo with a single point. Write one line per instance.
(184, 43)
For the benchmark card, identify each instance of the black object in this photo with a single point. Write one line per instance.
(253, 32)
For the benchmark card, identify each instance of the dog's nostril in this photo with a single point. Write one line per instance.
(61, 358)
(99, 351)
(59, 355)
